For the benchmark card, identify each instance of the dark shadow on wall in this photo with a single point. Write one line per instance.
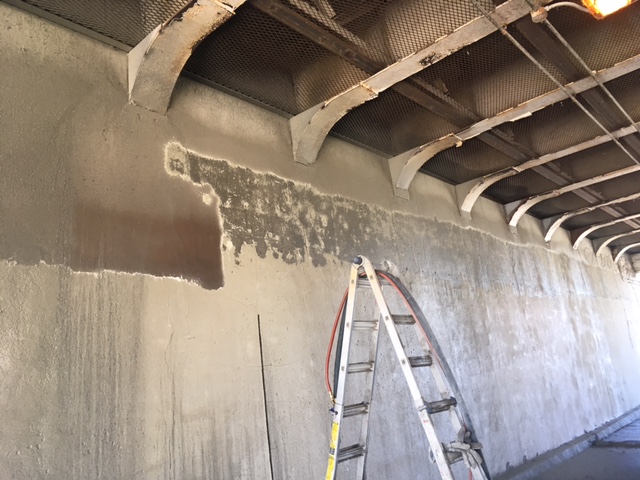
(185, 246)
(110, 209)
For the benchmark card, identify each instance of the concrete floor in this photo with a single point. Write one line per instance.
(616, 457)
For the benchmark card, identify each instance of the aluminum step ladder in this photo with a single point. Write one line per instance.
(463, 448)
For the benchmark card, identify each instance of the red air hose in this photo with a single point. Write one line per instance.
(337, 321)
(333, 336)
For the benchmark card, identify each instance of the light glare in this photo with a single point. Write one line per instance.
(602, 8)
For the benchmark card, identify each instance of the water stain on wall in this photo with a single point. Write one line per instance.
(147, 221)
(103, 213)
(288, 220)
(140, 242)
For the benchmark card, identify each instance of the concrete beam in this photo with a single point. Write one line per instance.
(578, 235)
(551, 224)
(619, 252)
(515, 210)
(156, 62)
(469, 192)
(405, 166)
(599, 244)
(310, 128)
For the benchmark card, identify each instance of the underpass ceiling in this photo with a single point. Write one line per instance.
(290, 55)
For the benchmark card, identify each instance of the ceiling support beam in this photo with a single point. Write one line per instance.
(516, 210)
(600, 244)
(310, 128)
(563, 60)
(433, 101)
(405, 166)
(620, 251)
(601, 103)
(551, 224)
(469, 192)
(156, 62)
(578, 235)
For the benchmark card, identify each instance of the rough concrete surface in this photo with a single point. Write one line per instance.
(598, 464)
(138, 251)
(628, 437)
(617, 456)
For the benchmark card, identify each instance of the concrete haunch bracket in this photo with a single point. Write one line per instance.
(156, 62)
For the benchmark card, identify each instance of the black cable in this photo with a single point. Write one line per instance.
(338, 355)
(448, 373)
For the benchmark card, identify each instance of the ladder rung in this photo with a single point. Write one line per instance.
(360, 367)
(348, 453)
(365, 324)
(424, 361)
(355, 409)
(403, 319)
(440, 405)
(364, 282)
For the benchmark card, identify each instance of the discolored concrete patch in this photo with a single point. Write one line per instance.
(289, 220)
(627, 437)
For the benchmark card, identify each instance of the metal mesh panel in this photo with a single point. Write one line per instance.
(621, 242)
(520, 186)
(630, 208)
(281, 68)
(392, 124)
(392, 30)
(473, 159)
(587, 219)
(625, 90)
(127, 21)
(557, 205)
(633, 251)
(259, 57)
(618, 187)
(556, 127)
(593, 162)
(601, 44)
(490, 76)
(610, 231)
(581, 166)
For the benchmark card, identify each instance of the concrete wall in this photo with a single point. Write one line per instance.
(112, 368)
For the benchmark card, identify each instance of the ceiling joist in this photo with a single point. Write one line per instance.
(515, 210)
(578, 235)
(600, 244)
(156, 62)
(469, 192)
(405, 166)
(621, 251)
(310, 128)
(551, 224)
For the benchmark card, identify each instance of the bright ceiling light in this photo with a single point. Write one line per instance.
(598, 8)
(602, 8)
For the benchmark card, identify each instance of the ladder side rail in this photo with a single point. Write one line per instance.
(368, 394)
(454, 414)
(442, 383)
(419, 402)
(338, 407)
(425, 330)
(440, 379)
